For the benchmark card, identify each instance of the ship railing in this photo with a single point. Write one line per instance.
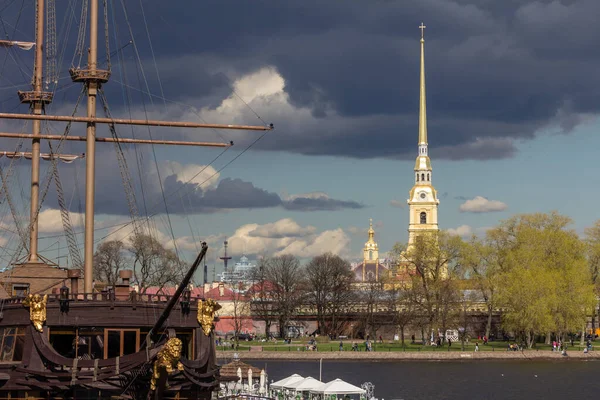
(133, 297)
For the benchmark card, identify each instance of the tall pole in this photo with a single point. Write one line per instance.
(90, 161)
(37, 106)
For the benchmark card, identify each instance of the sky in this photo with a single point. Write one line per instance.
(513, 96)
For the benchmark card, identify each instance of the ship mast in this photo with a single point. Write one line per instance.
(36, 98)
(93, 78)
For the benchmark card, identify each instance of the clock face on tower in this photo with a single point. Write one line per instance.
(423, 195)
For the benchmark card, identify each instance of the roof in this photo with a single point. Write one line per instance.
(231, 369)
(338, 386)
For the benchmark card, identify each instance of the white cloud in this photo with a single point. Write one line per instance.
(310, 195)
(286, 237)
(283, 228)
(466, 231)
(50, 220)
(397, 203)
(480, 204)
(462, 231)
(204, 175)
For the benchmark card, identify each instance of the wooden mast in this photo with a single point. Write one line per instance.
(92, 78)
(36, 99)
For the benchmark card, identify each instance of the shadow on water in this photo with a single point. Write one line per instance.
(420, 380)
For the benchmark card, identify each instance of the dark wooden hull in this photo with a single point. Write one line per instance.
(49, 369)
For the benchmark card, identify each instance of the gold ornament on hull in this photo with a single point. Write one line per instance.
(37, 310)
(167, 358)
(206, 314)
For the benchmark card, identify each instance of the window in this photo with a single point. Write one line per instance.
(423, 217)
(120, 342)
(427, 177)
(64, 342)
(370, 254)
(12, 341)
(422, 177)
(417, 177)
(90, 343)
(20, 289)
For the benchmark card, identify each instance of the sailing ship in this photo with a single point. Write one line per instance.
(85, 344)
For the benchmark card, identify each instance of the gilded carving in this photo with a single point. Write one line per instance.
(168, 358)
(206, 314)
(37, 310)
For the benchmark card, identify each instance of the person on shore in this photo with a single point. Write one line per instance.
(341, 345)
(485, 340)
(476, 346)
(449, 342)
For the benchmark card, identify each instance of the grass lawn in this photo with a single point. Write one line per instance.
(300, 345)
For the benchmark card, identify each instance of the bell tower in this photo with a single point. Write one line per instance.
(371, 250)
(423, 201)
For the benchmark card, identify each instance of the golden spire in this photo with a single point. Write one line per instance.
(371, 231)
(422, 103)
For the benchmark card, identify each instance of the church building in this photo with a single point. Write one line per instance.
(370, 270)
(423, 201)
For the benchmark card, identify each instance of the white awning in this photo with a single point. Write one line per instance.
(66, 158)
(282, 382)
(338, 386)
(305, 385)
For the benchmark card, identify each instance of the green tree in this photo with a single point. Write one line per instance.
(544, 281)
(593, 258)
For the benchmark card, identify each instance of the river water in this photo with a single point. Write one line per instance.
(416, 380)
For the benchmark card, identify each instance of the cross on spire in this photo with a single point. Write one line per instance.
(422, 28)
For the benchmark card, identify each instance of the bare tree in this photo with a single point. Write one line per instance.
(433, 264)
(240, 309)
(260, 294)
(109, 259)
(329, 290)
(286, 279)
(373, 298)
(153, 265)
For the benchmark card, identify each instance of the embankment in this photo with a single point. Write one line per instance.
(409, 355)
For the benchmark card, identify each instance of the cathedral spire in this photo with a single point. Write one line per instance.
(422, 102)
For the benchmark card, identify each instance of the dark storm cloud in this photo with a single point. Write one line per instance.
(497, 71)
(181, 197)
(320, 203)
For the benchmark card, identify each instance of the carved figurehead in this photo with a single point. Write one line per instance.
(206, 314)
(168, 358)
(37, 310)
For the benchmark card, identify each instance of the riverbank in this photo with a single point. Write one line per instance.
(409, 355)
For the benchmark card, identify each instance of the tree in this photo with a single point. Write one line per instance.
(593, 258)
(240, 309)
(260, 294)
(329, 290)
(481, 262)
(286, 284)
(372, 296)
(432, 264)
(153, 265)
(109, 259)
(545, 280)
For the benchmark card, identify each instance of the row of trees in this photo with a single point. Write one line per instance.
(532, 269)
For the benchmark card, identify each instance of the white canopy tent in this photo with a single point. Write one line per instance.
(338, 386)
(305, 385)
(280, 384)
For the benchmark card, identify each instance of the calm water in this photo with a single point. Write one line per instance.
(416, 380)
